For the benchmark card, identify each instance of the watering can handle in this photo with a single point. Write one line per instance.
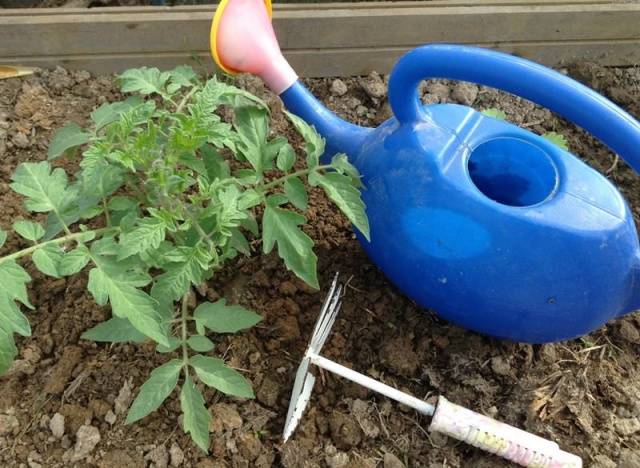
(572, 100)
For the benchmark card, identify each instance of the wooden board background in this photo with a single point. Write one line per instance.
(327, 39)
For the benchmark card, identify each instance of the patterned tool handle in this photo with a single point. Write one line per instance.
(501, 439)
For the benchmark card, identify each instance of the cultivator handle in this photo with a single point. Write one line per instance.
(498, 438)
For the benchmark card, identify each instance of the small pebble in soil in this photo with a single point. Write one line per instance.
(56, 425)
(110, 417)
(159, 456)
(176, 455)
(123, 400)
(87, 438)
(465, 93)
(338, 87)
(391, 461)
(8, 423)
(374, 86)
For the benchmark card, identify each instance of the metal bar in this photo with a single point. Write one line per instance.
(372, 384)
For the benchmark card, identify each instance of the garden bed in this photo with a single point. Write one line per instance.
(584, 393)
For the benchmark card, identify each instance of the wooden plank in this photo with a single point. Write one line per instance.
(411, 24)
(328, 39)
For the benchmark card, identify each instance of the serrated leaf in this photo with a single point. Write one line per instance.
(339, 188)
(128, 301)
(120, 203)
(28, 229)
(495, 113)
(155, 390)
(47, 259)
(114, 330)
(286, 158)
(11, 317)
(196, 415)
(214, 373)
(200, 343)
(294, 246)
(148, 234)
(222, 318)
(557, 139)
(296, 193)
(314, 143)
(182, 76)
(46, 190)
(13, 282)
(69, 136)
(74, 261)
(144, 81)
(248, 199)
(175, 281)
(110, 112)
(3, 237)
(252, 125)
(341, 164)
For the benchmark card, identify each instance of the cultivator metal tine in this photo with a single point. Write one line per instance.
(326, 320)
(303, 385)
(325, 306)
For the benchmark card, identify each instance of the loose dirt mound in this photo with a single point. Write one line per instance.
(63, 403)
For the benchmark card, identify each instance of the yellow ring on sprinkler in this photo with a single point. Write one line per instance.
(217, 17)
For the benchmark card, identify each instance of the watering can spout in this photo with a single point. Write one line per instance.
(243, 40)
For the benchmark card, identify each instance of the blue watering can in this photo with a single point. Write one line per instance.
(495, 228)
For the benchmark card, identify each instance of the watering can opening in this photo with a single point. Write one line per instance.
(513, 171)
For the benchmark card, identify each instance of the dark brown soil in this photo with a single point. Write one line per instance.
(585, 394)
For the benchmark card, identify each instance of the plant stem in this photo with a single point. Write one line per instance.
(283, 179)
(184, 309)
(185, 99)
(107, 218)
(60, 240)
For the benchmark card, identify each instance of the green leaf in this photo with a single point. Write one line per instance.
(155, 390)
(13, 281)
(143, 81)
(3, 237)
(341, 164)
(174, 343)
(175, 281)
(12, 320)
(286, 158)
(217, 167)
(110, 112)
(252, 125)
(314, 143)
(339, 188)
(46, 190)
(196, 416)
(148, 234)
(214, 373)
(128, 301)
(200, 343)
(47, 259)
(182, 76)
(69, 136)
(294, 246)
(557, 139)
(8, 350)
(114, 330)
(74, 261)
(296, 193)
(495, 113)
(28, 229)
(222, 318)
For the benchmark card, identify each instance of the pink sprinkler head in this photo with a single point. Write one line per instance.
(243, 40)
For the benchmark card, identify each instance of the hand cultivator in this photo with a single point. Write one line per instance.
(448, 418)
